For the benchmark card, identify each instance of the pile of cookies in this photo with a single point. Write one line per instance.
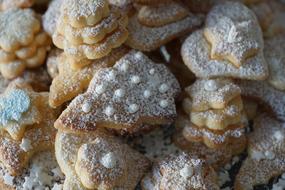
(142, 94)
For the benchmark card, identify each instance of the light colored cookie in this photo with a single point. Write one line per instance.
(52, 63)
(20, 109)
(81, 13)
(196, 55)
(265, 154)
(162, 14)
(214, 157)
(69, 83)
(181, 172)
(211, 138)
(233, 32)
(212, 94)
(9, 4)
(98, 161)
(150, 38)
(274, 99)
(18, 28)
(274, 53)
(51, 16)
(94, 51)
(92, 34)
(133, 92)
(219, 119)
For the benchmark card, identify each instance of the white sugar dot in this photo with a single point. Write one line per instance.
(186, 172)
(163, 103)
(119, 93)
(111, 75)
(109, 110)
(100, 89)
(86, 107)
(278, 135)
(138, 55)
(257, 155)
(146, 93)
(124, 66)
(269, 155)
(135, 79)
(163, 88)
(109, 160)
(151, 71)
(211, 85)
(133, 108)
(8, 179)
(26, 145)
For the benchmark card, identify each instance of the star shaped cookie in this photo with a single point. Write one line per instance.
(15, 154)
(233, 32)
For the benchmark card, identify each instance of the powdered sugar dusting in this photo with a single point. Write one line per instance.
(266, 153)
(13, 105)
(126, 111)
(215, 93)
(149, 38)
(51, 15)
(266, 93)
(234, 31)
(196, 55)
(180, 172)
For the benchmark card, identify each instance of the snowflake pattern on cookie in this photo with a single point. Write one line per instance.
(133, 92)
(234, 33)
(266, 153)
(15, 154)
(18, 109)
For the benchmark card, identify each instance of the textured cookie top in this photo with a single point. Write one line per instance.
(150, 38)
(99, 160)
(272, 97)
(234, 32)
(196, 55)
(105, 162)
(212, 93)
(274, 53)
(182, 172)
(266, 153)
(155, 16)
(17, 28)
(222, 137)
(51, 16)
(134, 91)
(81, 13)
(8, 4)
(18, 109)
(13, 104)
